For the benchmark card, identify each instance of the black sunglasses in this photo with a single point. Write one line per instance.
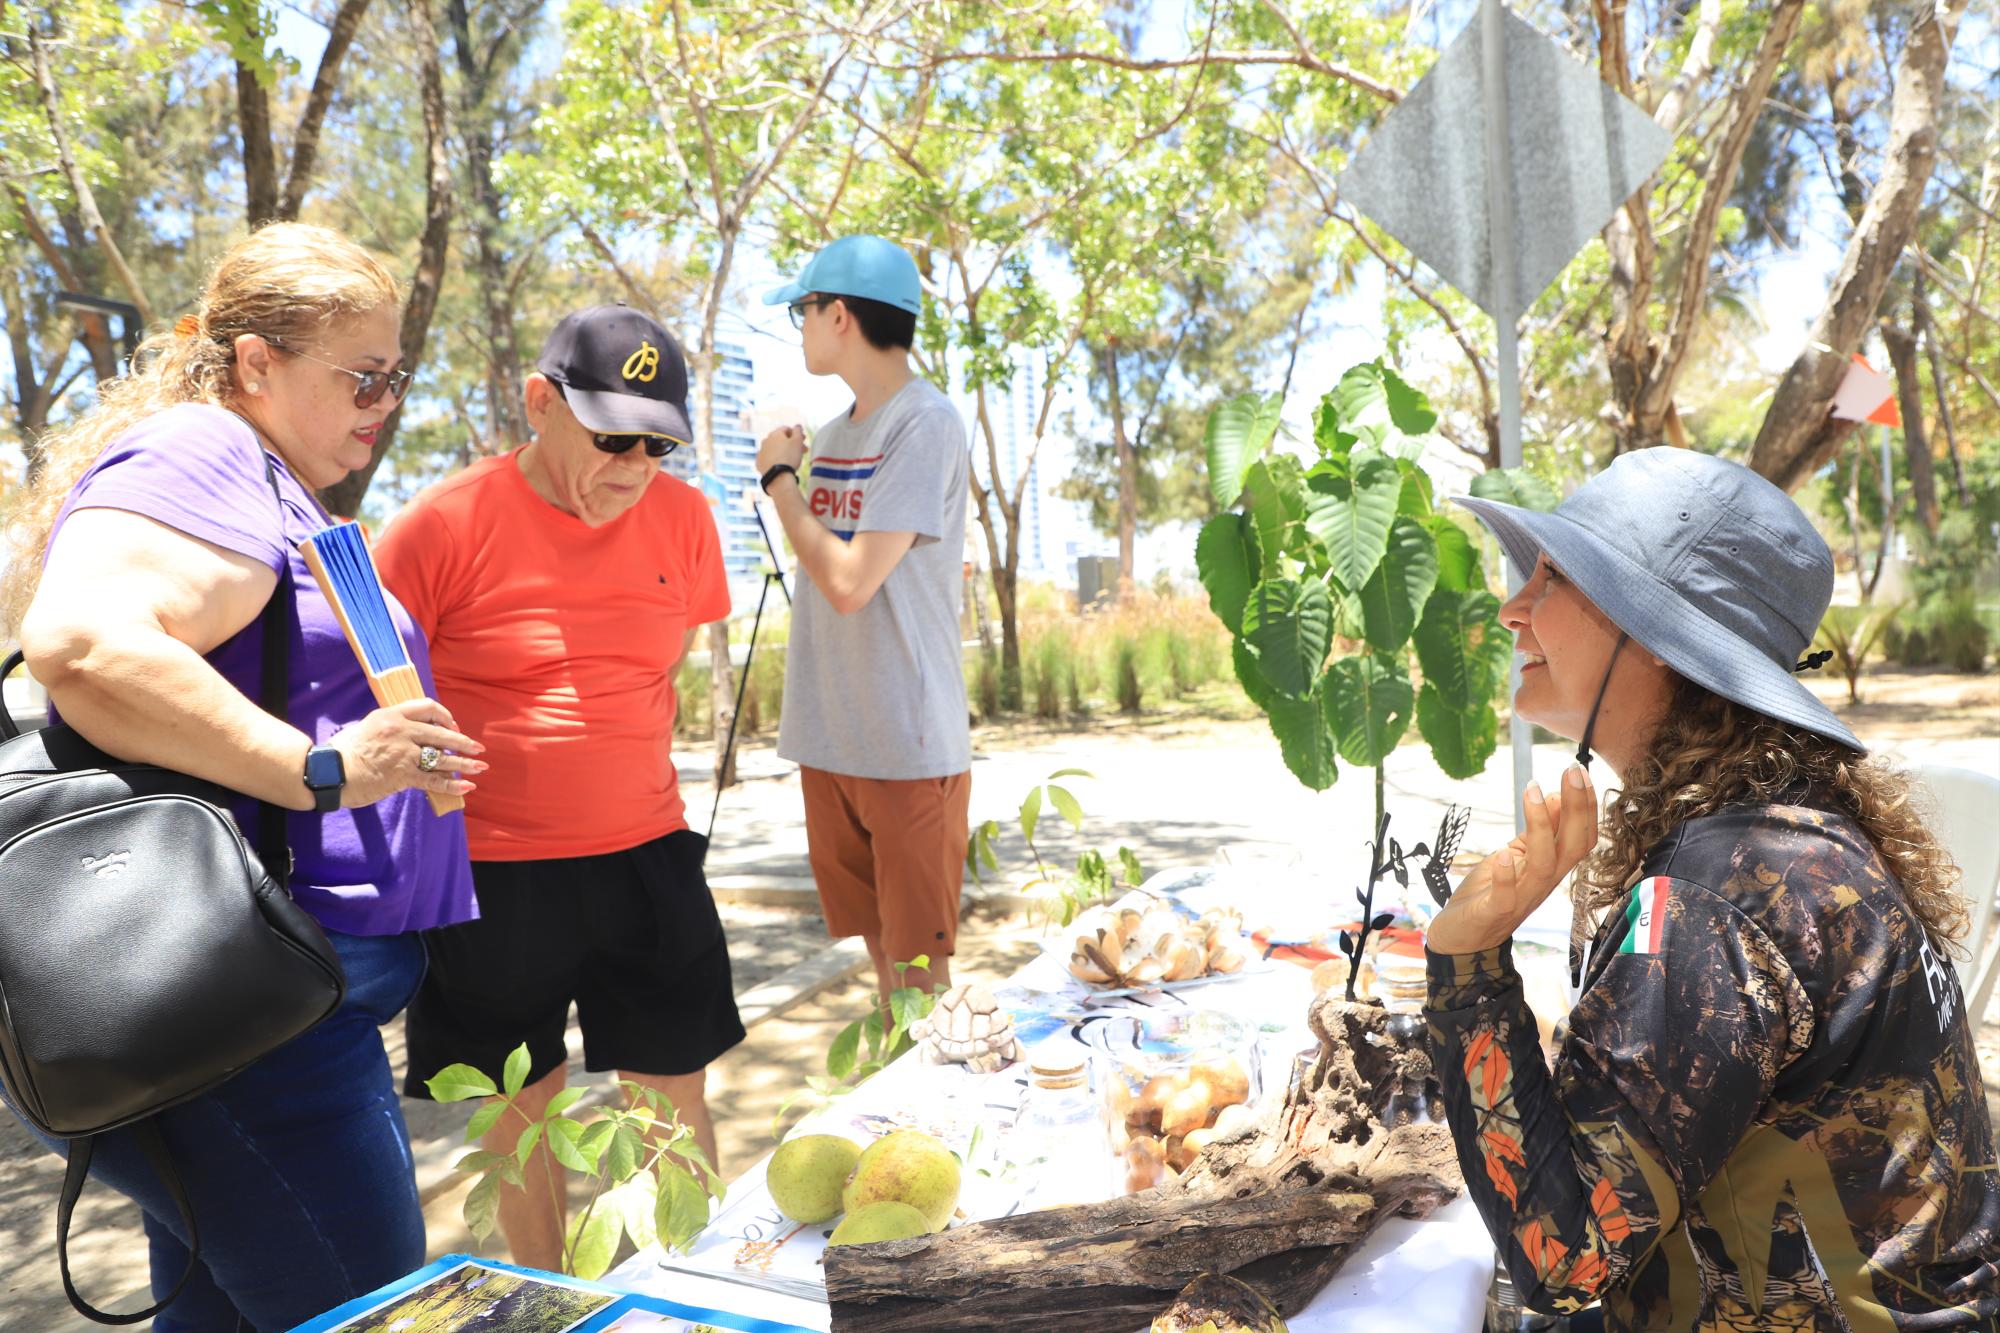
(369, 385)
(657, 446)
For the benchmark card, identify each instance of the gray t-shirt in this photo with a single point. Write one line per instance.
(880, 693)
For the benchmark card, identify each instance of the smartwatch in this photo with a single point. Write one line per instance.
(326, 774)
(778, 470)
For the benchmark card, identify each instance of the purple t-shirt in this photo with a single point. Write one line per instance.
(373, 870)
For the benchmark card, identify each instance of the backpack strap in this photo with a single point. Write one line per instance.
(147, 1133)
(273, 848)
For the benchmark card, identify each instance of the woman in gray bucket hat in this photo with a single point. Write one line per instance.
(1767, 1111)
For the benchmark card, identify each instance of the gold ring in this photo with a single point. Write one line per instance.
(428, 756)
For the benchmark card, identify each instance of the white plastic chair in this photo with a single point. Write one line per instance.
(1965, 815)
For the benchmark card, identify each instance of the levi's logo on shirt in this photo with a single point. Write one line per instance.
(837, 488)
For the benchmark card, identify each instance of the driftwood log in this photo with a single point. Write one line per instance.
(1279, 1208)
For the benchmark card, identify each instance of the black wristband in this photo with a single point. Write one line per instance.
(772, 474)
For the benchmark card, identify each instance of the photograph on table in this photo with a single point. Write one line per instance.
(473, 1295)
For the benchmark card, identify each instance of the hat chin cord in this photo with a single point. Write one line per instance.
(1590, 723)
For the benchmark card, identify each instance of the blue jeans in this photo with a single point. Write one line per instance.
(298, 1169)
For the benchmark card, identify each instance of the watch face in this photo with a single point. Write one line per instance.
(324, 767)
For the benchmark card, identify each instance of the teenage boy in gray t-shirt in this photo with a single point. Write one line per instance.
(874, 691)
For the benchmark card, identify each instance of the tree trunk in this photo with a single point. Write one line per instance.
(1279, 1208)
(721, 672)
(1902, 345)
(1927, 330)
(506, 409)
(343, 498)
(1798, 435)
(260, 158)
(305, 139)
(1128, 473)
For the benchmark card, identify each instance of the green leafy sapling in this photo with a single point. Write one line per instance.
(648, 1177)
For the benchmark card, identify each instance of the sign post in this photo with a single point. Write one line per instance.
(1505, 124)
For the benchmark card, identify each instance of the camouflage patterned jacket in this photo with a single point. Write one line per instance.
(1767, 1112)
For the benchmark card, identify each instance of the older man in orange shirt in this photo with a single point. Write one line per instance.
(559, 586)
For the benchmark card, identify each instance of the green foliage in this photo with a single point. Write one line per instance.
(1351, 549)
(649, 1179)
(866, 1046)
(1851, 633)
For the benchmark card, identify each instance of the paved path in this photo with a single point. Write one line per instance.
(1176, 793)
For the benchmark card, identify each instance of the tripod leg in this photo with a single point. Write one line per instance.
(728, 764)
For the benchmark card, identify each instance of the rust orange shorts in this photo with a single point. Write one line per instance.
(888, 856)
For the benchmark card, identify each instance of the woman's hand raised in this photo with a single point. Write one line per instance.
(382, 752)
(1497, 896)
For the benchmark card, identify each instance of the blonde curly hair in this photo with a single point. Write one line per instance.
(289, 281)
(1710, 752)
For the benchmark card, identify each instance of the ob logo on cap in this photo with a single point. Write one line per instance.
(621, 372)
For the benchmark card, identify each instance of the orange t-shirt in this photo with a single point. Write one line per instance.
(552, 643)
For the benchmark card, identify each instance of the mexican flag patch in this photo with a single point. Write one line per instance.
(1646, 916)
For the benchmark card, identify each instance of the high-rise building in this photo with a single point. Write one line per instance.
(734, 481)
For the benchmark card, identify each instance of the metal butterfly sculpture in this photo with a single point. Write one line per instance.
(1387, 856)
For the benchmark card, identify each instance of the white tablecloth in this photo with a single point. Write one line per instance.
(1432, 1274)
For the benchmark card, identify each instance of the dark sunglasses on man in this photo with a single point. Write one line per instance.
(657, 446)
(369, 385)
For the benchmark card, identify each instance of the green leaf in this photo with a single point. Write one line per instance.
(1250, 675)
(596, 1137)
(1414, 500)
(1462, 736)
(563, 1100)
(846, 1047)
(483, 1120)
(515, 1074)
(633, 1202)
(1335, 443)
(906, 1006)
(1458, 558)
(595, 1242)
(988, 831)
(1394, 596)
(1353, 522)
(1274, 492)
(1408, 408)
(1031, 812)
(1128, 863)
(626, 1152)
(681, 1209)
(1238, 431)
(563, 1137)
(524, 1147)
(1515, 486)
(1368, 700)
(480, 1160)
(1290, 624)
(1462, 647)
(1226, 559)
(1360, 401)
(1305, 741)
(1066, 805)
(456, 1083)
(482, 1207)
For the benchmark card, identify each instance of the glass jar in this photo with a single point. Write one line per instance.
(1165, 1080)
(1059, 1135)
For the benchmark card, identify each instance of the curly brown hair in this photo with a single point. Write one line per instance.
(1710, 752)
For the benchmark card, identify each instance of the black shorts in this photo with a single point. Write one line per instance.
(631, 937)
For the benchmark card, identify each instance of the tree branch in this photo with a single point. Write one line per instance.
(305, 140)
(86, 200)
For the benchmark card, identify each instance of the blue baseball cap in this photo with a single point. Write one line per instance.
(864, 266)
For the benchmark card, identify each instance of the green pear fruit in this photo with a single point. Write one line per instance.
(884, 1219)
(910, 1167)
(806, 1175)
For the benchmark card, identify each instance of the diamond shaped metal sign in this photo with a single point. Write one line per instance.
(1576, 148)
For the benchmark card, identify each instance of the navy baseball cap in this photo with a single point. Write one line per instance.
(621, 373)
(864, 266)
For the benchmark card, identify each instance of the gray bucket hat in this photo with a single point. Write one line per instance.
(1707, 566)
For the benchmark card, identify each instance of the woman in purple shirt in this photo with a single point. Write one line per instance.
(150, 543)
